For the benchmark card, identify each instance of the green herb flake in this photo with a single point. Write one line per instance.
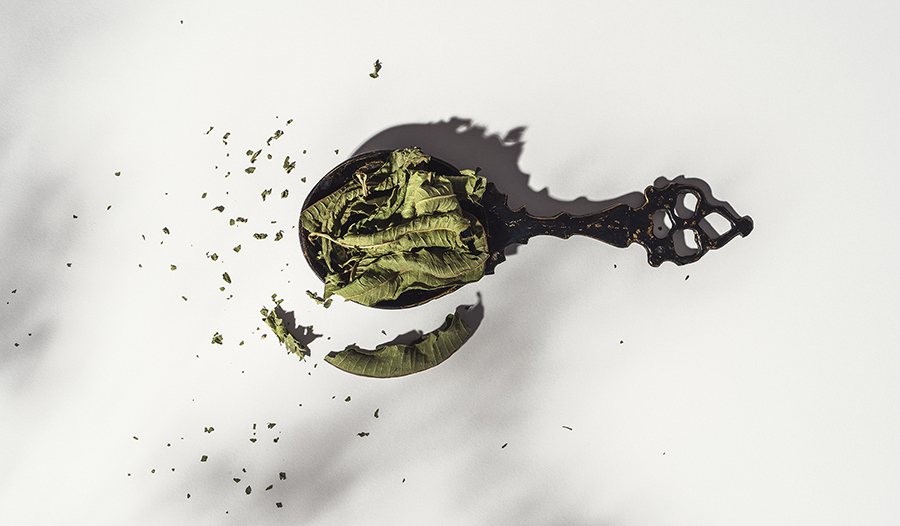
(236, 480)
(184, 298)
(277, 504)
(173, 267)
(303, 179)
(227, 134)
(376, 413)
(108, 207)
(253, 440)
(362, 434)
(118, 174)
(237, 248)
(270, 425)
(217, 338)
(248, 490)
(70, 265)
(220, 208)
(226, 277)
(135, 438)
(289, 121)
(686, 277)
(203, 196)
(567, 427)
(241, 220)
(211, 127)
(266, 193)
(260, 236)
(390, 361)
(231, 222)
(279, 235)
(242, 343)
(284, 194)
(269, 156)
(377, 67)
(222, 289)
(203, 458)
(208, 429)
(165, 230)
(250, 169)
(336, 152)
(284, 337)
(504, 445)
(255, 155)
(327, 303)
(214, 256)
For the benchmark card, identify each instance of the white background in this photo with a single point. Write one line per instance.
(762, 390)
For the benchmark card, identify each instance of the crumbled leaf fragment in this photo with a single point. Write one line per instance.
(231, 222)
(226, 277)
(211, 127)
(260, 236)
(376, 413)
(253, 440)
(282, 475)
(278, 504)
(248, 490)
(184, 298)
(347, 399)
(289, 121)
(363, 434)
(108, 207)
(275, 136)
(203, 458)
(270, 487)
(250, 169)
(236, 480)
(284, 194)
(70, 265)
(217, 338)
(284, 337)
(74, 216)
(222, 289)
(166, 230)
(240, 220)
(303, 179)
(389, 361)
(254, 155)
(208, 429)
(237, 248)
(118, 174)
(686, 277)
(135, 438)
(327, 303)
(203, 196)
(266, 193)
(220, 208)
(269, 156)
(377, 67)
(242, 343)
(279, 235)
(270, 425)
(173, 267)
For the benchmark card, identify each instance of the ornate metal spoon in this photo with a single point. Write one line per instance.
(618, 226)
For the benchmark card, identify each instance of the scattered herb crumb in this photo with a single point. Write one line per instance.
(282, 475)
(208, 429)
(70, 265)
(211, 127)
(686, 277)
(269, 156)
(567, 427)
(270, 487)
(203, 196)
(363, 434)
(621, 342)
(347, 399)
(135, 438)
(74, 216)
(248, 490)
(336, 152)
(376, 413)
(184, 298)
(118, 174)
(231, 222)
(303, 179)
(253, 155)
(203, 458)
(279, 235)
(236, 480)
(260, 236)
(284, 194)
(166, 230)
(266, 193)
(222, 289)
(220, 208)
(173, 267)
(242, 343)
(270, 425)
(214, 256)
(277, 504)
(108, 207)
(253, 440)
(504, 445)
(226, 277)
(250, 169)
(217, 338)
(377, 67)
(237, 248)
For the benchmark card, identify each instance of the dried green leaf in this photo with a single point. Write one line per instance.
(254, 155)
(282, 476)
(390, 361)
(398, 229)
(208, 429)
(284, 337)
(240, 220)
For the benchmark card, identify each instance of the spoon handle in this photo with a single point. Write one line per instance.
(618, 226)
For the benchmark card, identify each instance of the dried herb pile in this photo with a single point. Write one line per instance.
(401, 228)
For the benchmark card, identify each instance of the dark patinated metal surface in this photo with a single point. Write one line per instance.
(618, 226)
